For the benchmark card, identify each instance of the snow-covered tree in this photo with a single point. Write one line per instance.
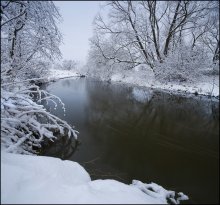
(29, 40)
(151, 32)
(29, 34)
(183, 65)
(69, 65)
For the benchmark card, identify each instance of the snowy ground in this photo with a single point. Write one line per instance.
(55, 74)
(29, 179)
(142, 76)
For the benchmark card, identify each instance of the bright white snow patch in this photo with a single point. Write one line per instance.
(37, 179)
(117, 77)
(140, 75)
(55, 74)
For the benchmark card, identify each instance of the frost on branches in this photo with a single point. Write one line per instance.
(178, 40)
(183, 65)
(24, 123)
(30, 40)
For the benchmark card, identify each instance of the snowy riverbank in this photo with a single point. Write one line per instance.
(55, 74)
(38, 179)
(142, 76)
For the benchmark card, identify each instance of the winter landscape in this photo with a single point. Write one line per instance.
(109, 102)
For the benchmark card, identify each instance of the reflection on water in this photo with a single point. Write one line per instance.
(131, 133)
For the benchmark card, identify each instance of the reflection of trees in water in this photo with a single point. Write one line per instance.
(66, 83)
(156, 140)
(63, 147)
(215, 110)
(114, 114)
(110, 105)
(97, 173)
(175, 122)
(107, 101)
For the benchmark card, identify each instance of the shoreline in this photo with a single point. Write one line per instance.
(171, 89)
(205, 88)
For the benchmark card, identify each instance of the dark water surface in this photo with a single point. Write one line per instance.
(131, 133)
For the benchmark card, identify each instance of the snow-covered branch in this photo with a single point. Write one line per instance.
(31, 40)
(26, 124)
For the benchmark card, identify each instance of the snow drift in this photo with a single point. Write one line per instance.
(29, 179)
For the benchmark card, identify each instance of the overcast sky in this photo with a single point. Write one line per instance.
(76, 27)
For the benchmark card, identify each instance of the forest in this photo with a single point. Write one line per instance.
(140, 54)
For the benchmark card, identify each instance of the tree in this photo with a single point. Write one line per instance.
(69, 65)
(30, 33)
(149, 32)
(30, 40)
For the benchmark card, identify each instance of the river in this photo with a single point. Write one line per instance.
(130, 133)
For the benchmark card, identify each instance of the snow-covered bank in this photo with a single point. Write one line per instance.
(55, 74)
(198, 88)
(143, 76)
(36, 179)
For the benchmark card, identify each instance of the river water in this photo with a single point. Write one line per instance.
(135, 133)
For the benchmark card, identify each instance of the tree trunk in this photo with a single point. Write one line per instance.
(170, 33)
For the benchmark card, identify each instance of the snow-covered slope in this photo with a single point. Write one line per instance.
(142, 75)
(55, 74)
(37, 179)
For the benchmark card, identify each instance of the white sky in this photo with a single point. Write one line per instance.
(76, 27)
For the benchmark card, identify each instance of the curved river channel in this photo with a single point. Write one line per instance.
(129, 133)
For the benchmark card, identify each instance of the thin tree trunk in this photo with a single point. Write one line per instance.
(170, 34)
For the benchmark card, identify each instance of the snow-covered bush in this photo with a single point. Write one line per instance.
(25, 124)
(57, 66)
(183, 65)
(69, 65)
(37, 69)
(97, 66)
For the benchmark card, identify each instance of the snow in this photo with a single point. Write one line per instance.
(30, 179)
(55, 74)
(142, 75)
(205, 88)
(159, 192)
(21, 117)
(117, 77)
